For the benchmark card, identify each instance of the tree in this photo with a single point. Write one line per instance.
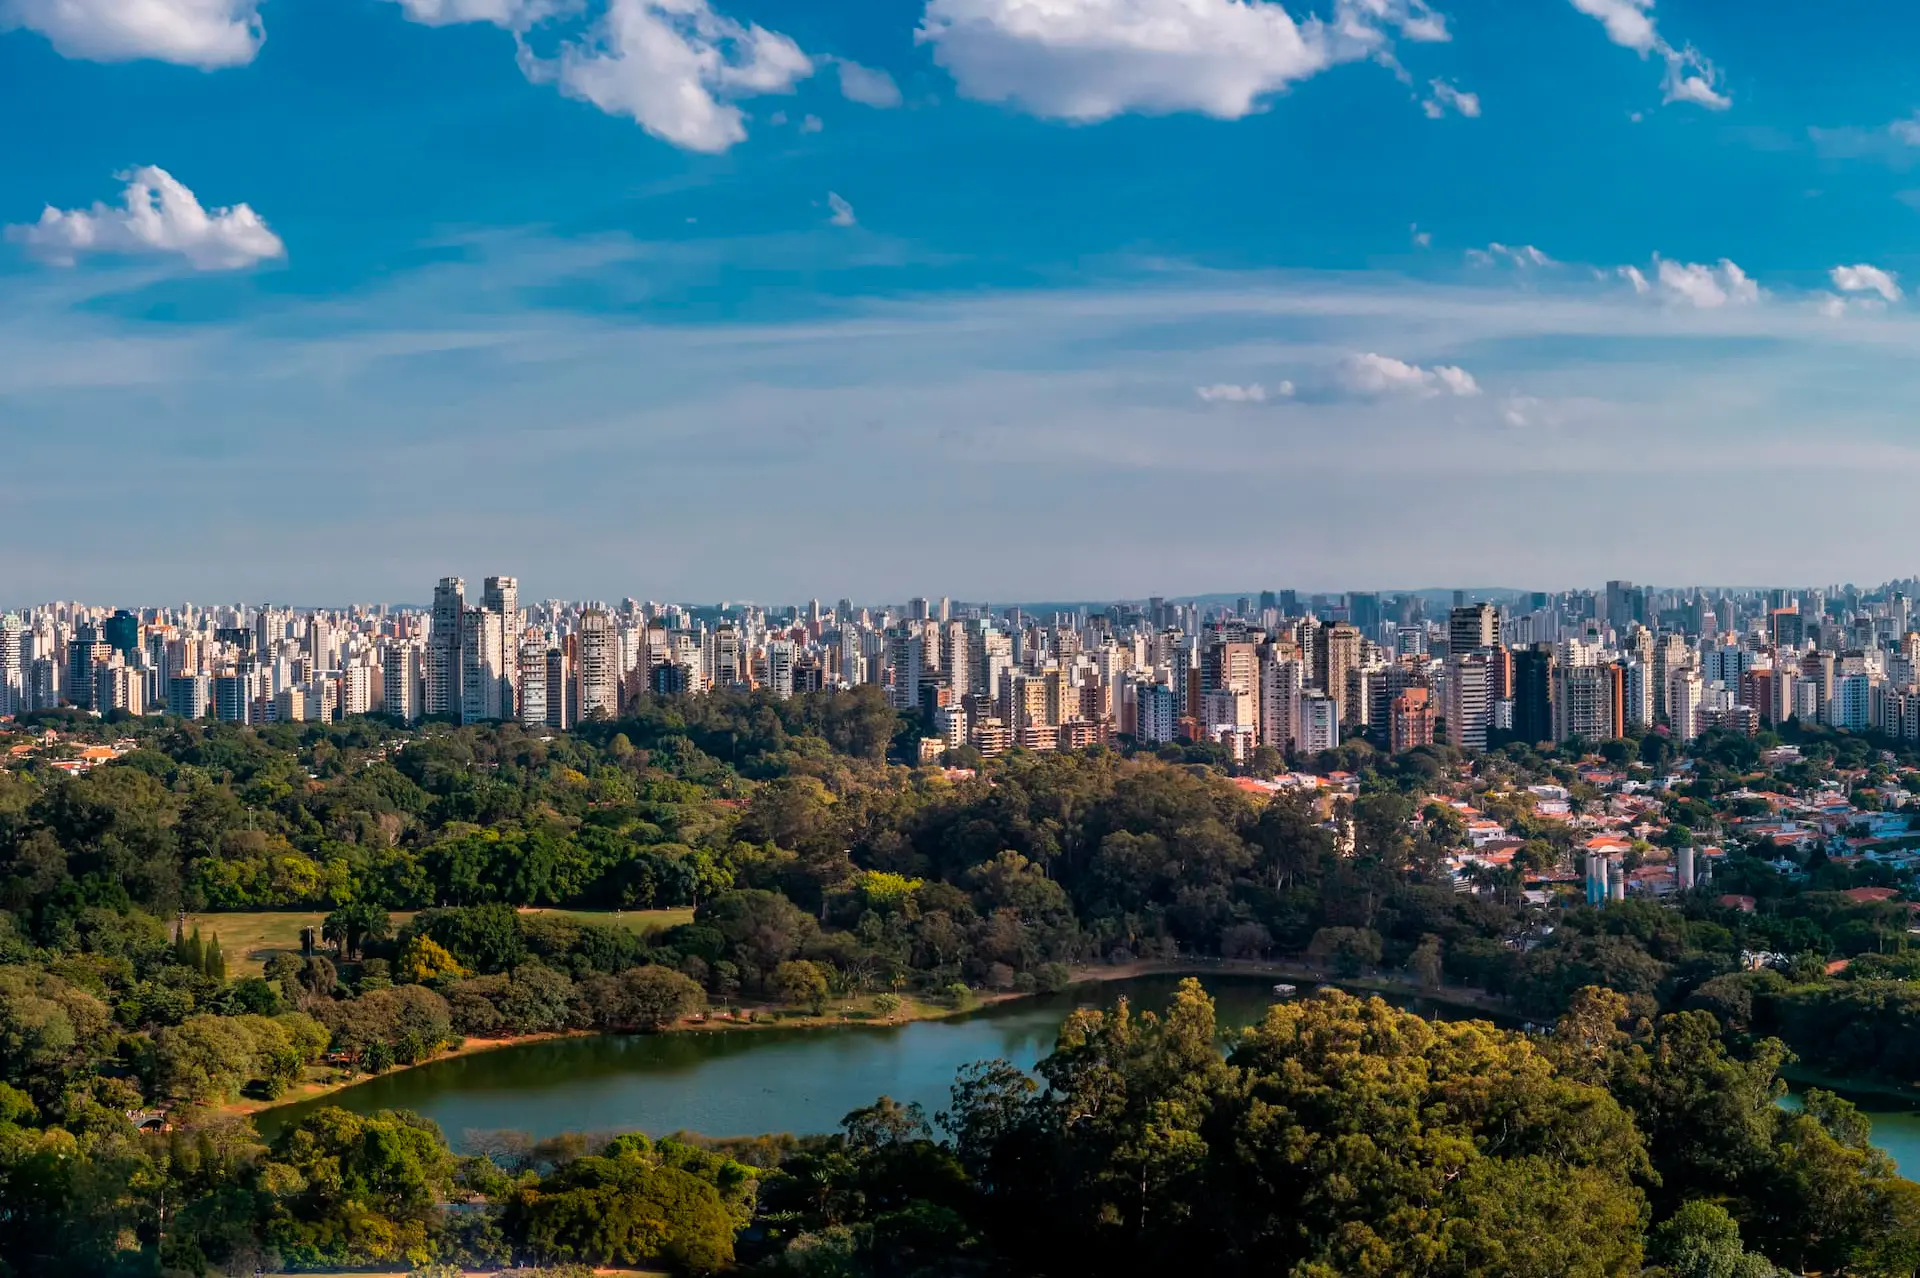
(798, 981)
(1347, 949)
(423, 959)
(1701, 1240)
(1427, 964)
(359, 1189)
(643, 999)
(628, 1207)
(354, 924)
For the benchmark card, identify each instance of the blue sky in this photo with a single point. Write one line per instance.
(996, 298)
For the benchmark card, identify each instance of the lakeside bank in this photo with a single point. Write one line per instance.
(859, 1014)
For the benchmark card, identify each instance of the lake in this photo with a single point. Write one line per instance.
(746, 1082)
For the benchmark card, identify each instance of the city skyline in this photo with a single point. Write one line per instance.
(306, 297)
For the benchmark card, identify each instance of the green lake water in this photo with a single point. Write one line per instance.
(735, 1083)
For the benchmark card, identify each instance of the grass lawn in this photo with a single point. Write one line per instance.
(249, 939)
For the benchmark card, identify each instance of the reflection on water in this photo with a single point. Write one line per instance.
(734, 1082)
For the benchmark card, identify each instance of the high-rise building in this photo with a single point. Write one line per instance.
(400, 680)
(1319, 723)
(84, 651)
(1363, 610)
(442, 697)
(486, 690)
(189, 696)
(122, 633)
(1412, 720)
(563, 706)
(1472, 628)
(1154, 719)
(1469, 702)
(906, 655)
(598, 671)
(1282, 680)
(501, 596)
(1533, 668)
(1684, 691)
(1586, 702)
(780, 659)
(1336, 650)
(12, 665)
(532, 658)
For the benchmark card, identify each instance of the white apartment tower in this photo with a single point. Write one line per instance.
(1469, 703)
(486, 693)
(442, 672)
(598, 671)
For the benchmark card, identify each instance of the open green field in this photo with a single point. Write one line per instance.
(249, 939)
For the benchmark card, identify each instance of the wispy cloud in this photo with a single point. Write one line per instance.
(868, 86)
(1524, 255)
(1689, 76)
(842, 212)
(1446, 97)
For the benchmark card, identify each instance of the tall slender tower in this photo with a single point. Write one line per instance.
(443, 649)
(598, 671)
(501, 596)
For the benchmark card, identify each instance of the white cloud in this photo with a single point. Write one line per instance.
(1227, 393)
(1446, 97)
(1634, 276)
(1421, 239)
(1523, 255)
(842, 211)
(1090, 60)
(1689, 77)
(673, 67)
(1379, 376)
(515, 15)
(811, 124)
(1230, 393)
(194, 33)
(867, 85)
(157, 216)
(1867, 279)
(1705, 287)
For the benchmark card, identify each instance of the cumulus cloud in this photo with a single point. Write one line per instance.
(1229, 393)
(1695, 284)
(1421, 239)
(194, 33)
(1446, 97)
(1381, 376)
(674, 67)
(868, 86)
(1523, 255)
(157, 216)
(1089, 60)
(842, 211)
(1867, 279)
(1689, 77)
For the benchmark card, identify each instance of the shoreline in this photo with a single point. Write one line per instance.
(913, 1010)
